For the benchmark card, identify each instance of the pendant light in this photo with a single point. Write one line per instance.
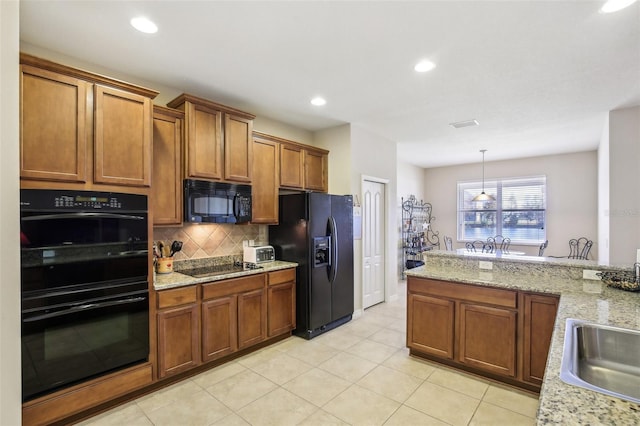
(483, 196)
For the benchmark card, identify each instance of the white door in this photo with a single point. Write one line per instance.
(373, 246)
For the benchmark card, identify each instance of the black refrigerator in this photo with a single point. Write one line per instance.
(316, 231)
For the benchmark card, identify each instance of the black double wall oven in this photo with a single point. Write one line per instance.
(85, 294)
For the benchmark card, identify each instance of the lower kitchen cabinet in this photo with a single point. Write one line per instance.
(488, 338)
(219, 327)
(501, 333)
(205, 322)
(281, 300)
(539, 319)
(437, 338)
(252, 317)
(178, 331)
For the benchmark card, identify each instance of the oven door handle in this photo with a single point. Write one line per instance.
(85, 307)
(82, 215)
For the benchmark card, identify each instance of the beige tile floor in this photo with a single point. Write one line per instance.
(357, 374)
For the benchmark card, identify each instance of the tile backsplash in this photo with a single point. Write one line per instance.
(211, 240)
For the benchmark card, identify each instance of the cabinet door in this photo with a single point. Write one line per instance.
(238, 148)
(539, 319)
(264, 189)
(430, 325)
(291, 166)
(203, 137)
(219, 327)
(54, 127)
(252, 318)
(178, 339)
(315, 171)
(282, 308)
(123, 136)
(166, 191)
(488, 338)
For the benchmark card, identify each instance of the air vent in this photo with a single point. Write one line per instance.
(467, 123)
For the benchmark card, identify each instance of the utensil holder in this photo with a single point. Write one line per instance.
(164, 265)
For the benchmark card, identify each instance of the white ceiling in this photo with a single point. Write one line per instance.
(539, 76)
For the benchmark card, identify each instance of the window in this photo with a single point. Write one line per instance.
(519, 211)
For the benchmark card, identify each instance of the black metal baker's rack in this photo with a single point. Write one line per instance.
(418, 235)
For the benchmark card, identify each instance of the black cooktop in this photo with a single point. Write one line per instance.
(213, 270)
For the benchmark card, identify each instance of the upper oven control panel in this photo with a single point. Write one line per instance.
(50, 199)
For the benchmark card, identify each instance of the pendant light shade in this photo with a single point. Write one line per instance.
(483, 196)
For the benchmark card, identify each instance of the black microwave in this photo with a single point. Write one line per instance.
(216, 202)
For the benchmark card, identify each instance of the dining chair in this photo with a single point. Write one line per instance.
(448, 243)
(542, 247)
(579, 248)
(501, 243)
(479, 246)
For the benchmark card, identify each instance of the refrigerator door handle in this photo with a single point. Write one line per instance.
(334, 250)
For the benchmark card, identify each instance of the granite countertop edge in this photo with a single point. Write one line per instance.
(176, 279)
(588, 300)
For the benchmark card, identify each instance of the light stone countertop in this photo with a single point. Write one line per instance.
(588, 300)
(176, 279)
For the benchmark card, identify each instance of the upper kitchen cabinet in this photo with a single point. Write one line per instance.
(54, 126)
(166, 191)
(218, 140)
(123, 137)
(316, 170)
(266, 173)
(303, 167)
(83, 128)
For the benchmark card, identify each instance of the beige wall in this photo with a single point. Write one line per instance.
(10, 380)
(338, 141)
(624, 181)
(571, 195)
(603, 194)
(285, 131)
(375, 156)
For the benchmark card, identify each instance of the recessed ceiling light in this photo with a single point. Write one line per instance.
(318, 101)
(424, 66)
(466, 123)
(144, 25)
(615, 5)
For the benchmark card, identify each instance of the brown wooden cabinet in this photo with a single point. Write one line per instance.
(238, 147)
(316, 170)
(54, 125)
(166, 191)
(291, 166)
(281, 302)
(219, 327)
(266, 179)
(178, 330)
(438, 338)
(303, 167)
(252, 317)
(501, 333)
(234, 315)
(83, 128)
(218, 142)
(488, 338)
(123, 136)
(539, 320)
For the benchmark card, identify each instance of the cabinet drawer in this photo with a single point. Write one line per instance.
(176, 297)
(284, 276)
(474, 293)
(233, 286)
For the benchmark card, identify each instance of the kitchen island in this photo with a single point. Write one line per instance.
(588, 300)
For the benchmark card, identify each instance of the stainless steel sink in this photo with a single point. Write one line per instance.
(602, 358)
